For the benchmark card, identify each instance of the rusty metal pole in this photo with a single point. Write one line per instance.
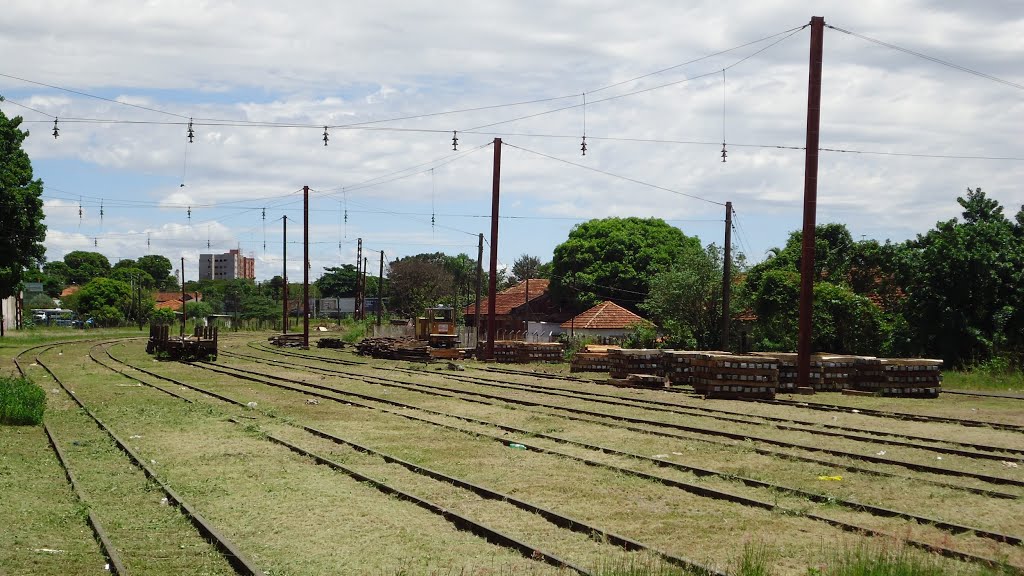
(380, 290)
(184, 318)
(359, 277)
(727, 276)
(479, 283)
(284, 274)
(362, 290)
(492, 283)
(804, 348)
(305, 267)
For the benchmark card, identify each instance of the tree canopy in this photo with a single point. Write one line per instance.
(83, 266)
(21, 216)
(615, 259)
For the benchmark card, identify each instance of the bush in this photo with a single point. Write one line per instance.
(641, 336)
(21, 401)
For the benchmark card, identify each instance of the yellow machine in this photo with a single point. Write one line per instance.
(437, 327)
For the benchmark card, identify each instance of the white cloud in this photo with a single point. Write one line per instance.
(314, 64)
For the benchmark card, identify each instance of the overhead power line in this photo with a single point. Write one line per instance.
(613, 175)
(930, 58)
(86, 94)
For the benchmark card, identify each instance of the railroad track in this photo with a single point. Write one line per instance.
(462, 522)
(832, 408)
(879, 511)
(494, 398)
(114, 563)
(722, 414)
(983, 394)
(689, 487)
(238, 561)
(657, 406)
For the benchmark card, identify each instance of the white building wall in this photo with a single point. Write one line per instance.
(9, 306)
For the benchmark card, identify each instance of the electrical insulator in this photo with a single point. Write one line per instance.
(264, 214)
(583, 146)
(191, 132)
(455, 140)
(325, 136)
(101, 210)
(189, 213)
(724, 154)
(95, 241)
(56, 131)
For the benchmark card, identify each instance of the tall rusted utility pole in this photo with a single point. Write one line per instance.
(284, 274)
(380, 290)
(492, 284)
(479, 282)
(184, 318)
(727, 276)
(305, 267)
(359, 277)
(804, 346)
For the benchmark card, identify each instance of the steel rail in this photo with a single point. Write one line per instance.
(459, 521)
(724, 434)
(687, 411)
(728, 415)
(764, 451)
(114, 563)
(688, 487)
(240, 562)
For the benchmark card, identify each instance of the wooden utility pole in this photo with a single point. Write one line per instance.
(380, 290)
(284, 274)
(492, 284)
(479, 283)
(727, 276)
(805, 344)
(305, 267)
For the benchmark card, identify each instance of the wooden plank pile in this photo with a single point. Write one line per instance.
(914, 377)
(677, 365)
(505, 351)
(593, 358)
(638, 381)
(625, 361)
(837, 372)
(395, 349)
(333, 343)
(540, 352)
(291, 340)
(733, 376)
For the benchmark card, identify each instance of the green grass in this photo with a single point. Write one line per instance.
(892, 560)
(21, 402)
(983, 380)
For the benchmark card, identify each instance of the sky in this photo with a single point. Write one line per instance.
(656, 86)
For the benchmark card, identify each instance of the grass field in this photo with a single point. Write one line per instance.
(668, 480)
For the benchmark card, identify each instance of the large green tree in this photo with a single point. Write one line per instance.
(416, 282)
(964, 293)
(159, 267)
(338, 282)
(685, 300)
(107, 301)
(21, 213)
(615, 259)
(84, 266)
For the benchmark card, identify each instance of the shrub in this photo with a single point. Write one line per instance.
(21, 401)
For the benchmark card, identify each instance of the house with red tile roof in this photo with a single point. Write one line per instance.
(172, 300)
(527, 301)
(606, 320)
